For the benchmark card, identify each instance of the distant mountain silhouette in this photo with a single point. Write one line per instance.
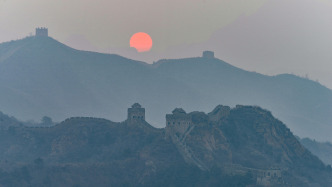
(238, 146)
(322, 149)
(42, 77)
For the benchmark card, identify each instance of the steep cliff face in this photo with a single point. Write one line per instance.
(245, 139)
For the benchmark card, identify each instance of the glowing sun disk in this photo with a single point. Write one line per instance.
(141, 41)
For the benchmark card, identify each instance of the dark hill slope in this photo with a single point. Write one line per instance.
(86, 152)
(227, 147)
(91, 151)
(83, 140)
(40, 76)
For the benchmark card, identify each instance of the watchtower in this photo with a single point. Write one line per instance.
(178, 117)
(41, 31)
(136, 112)
(208, 54)
(178, 122)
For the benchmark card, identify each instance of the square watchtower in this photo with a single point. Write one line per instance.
(41, 32)
(178, 122)
(136, 112)
(208, 54)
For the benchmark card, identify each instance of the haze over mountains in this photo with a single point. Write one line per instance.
(40, 76)
(322, 149)
(297, 41)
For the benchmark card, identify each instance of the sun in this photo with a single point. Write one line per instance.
(141, 41)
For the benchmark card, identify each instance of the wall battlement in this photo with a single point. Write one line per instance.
(178, 117)
(178, 122)
(41, 32)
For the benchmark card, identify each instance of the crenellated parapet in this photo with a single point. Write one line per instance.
(178, 117)
(41, 32)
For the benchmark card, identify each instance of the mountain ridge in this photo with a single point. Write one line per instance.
(217, 141)
(47, 78)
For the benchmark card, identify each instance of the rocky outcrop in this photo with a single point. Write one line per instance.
(241, 140)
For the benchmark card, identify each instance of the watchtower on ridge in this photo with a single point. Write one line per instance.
(208, 54)
(41, 32)
(136, 112)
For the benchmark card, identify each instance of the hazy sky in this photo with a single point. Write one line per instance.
(267, 36)
(110, 23)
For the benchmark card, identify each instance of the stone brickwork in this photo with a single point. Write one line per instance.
(179, 121)
(264, 177)
(269, 177)
(219, 112)
(136, 112)
(178, 125)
